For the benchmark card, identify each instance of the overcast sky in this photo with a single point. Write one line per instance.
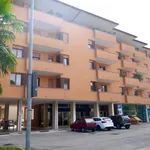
(132, 15)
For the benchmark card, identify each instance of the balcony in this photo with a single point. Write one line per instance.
(106, 58)
(111, 97)
(142, 70)
(138, 100)
(139, 56)
(144, 85)
(21, 65)
(104, 39)
(108, 77)
(131, 82)
(48, 68)
(128, 65)
(13, 92)
(127, 50)
(48, 44)
(50, 93)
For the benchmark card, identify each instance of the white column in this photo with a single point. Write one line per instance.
(96, 110)
(55, 115)
(73, 111)
(147, 117)
(19, 116)
(111, 109)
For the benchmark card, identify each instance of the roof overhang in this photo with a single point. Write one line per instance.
(104, 43)
(104, 61)
(46, 26)
(128, 69)
(46, 49)
(124, 37)
(126, 53)
(138, 44)
(107, 81)
(47, 73)
(72, 14)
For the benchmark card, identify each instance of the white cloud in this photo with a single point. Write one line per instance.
(132, 15)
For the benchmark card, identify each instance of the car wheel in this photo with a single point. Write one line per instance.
(83, 129)
(93, 130)
(127, 127)
(108, 129)
(118, 126)
(98, 128)
(72, 129)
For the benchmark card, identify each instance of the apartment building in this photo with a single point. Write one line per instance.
(85, 66)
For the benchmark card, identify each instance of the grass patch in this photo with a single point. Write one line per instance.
(10, 148)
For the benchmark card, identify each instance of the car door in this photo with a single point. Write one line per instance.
(75, 124)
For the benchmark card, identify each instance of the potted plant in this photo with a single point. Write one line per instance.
(138, 76)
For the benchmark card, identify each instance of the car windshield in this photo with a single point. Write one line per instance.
(106, 118)
(89, 120)
(125, 117)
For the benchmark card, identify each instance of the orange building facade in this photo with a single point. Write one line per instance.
(82, 62)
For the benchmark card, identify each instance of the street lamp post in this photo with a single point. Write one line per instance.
(29, 97)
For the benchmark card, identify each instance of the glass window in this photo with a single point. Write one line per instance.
(18, 79)
(15, 79)
(36, 56)
(12, 79)
(89, 120)
(93, 86)
(19, 55)
(66, 84)
(92, 65)
(50, 59)
(102, 68)
(66, 61)
(38, 82)
(91, 44)
(103, 88)
(17, 52)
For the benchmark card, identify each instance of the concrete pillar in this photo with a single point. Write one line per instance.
(6, 112)
(19, 116)
(146, 110)
(55, 115)
(96, 110)
(45, 115)
(73, 111)
(111, 109)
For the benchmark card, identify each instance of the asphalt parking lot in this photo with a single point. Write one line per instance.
(136, 138)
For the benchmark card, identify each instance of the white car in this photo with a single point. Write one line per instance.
(103, 123)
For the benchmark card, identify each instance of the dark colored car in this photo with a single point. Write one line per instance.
(121, 121)
(83, 125)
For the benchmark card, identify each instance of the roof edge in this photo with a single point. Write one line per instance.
(58, 1)
(140, 42)
(125, 32)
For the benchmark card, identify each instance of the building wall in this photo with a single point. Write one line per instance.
(78, 70)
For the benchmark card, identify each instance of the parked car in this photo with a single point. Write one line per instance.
(84, 124)
(121, 121)
(103, 123)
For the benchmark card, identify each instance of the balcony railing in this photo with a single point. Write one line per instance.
(111, 97)
(106, 58)
(131, 82)
(107, 77)
(129, 65)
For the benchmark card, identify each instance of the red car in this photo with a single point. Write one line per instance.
(83, 125)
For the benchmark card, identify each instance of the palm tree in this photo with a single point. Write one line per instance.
(8, 25)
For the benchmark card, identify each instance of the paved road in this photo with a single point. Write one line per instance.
(136, 138)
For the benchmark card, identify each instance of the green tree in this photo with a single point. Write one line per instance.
(8, 25)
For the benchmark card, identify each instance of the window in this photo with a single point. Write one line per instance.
(93, 86)
(15, 79)
(36, 56)
(96, 119)
(145, 65)
(91, 44)
(92, 64)
(103, 88)
(65, 60)
(66, 84)
(133, 60)
(120, 57)
(50, 59)
(137, 93)
(124, 91)
(102, 68)
(38, 82)
(148, 95)
(17, 52)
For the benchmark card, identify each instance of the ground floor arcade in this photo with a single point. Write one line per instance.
(57, 114)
